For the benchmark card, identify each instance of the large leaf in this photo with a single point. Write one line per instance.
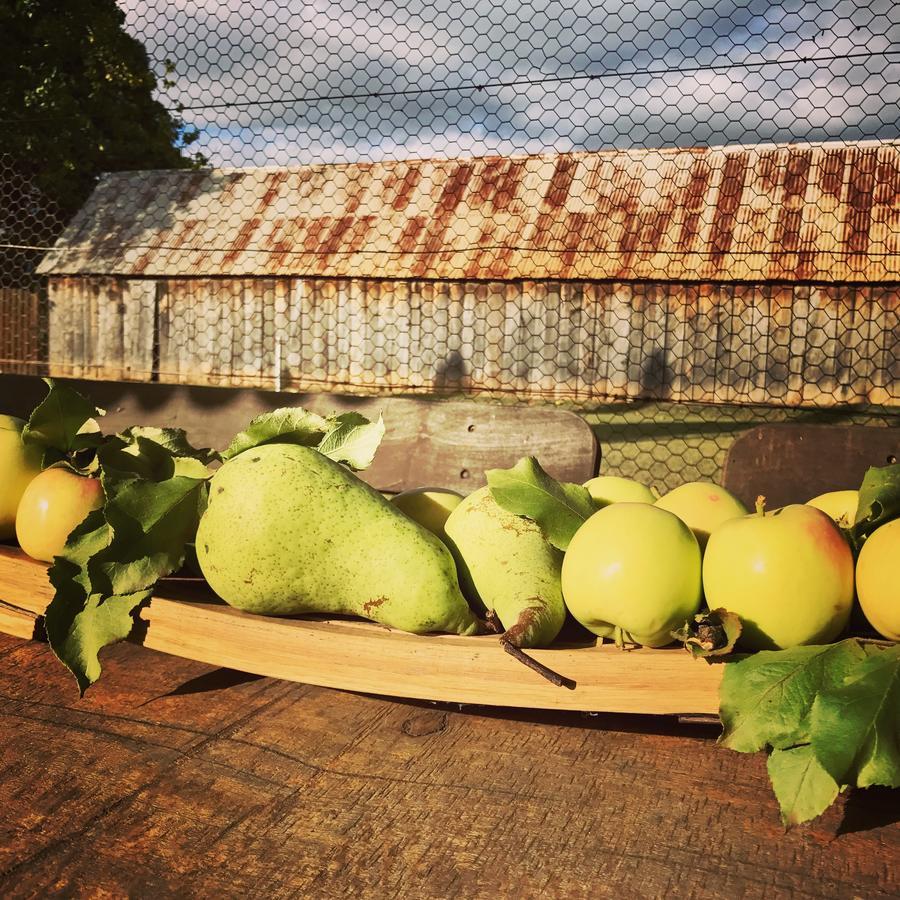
(79, 627)
(766, 699)
(153, 503)
(803, 788)
(80, 622)
(151, 521)
(879, 501)
(284, 426)
(527, 490)
(174, 440)
(856, 724)
(352, 440)
(63, 423)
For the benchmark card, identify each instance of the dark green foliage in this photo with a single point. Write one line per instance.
(76, 99)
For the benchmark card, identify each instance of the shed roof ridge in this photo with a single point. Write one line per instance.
(501, 157)
(814, 211)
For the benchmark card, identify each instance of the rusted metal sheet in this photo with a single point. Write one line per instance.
(795, 213)
(710, 342)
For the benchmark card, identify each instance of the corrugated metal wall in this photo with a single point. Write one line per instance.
(747, 343)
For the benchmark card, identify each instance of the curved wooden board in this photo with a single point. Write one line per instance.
(183, 619)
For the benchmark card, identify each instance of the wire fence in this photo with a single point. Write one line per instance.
(682, 219)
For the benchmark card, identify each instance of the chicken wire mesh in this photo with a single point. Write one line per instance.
(680, 218)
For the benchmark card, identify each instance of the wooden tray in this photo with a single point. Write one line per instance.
(186, 620)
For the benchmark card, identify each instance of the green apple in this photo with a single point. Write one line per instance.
(702, 506)
(19, 463)
(430, 507)
(606, 489)
(632, 572)
(51, 506)
(840, 505)
(877, 582)
(788, 574)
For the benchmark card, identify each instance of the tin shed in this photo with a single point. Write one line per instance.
(765, 273)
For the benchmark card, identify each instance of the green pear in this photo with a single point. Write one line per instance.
(507, 565)
(289, 531)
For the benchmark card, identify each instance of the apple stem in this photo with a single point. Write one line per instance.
(624, 640)
(761, 505)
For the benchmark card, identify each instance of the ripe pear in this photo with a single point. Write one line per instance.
(289, 531)
(507, 564)
(430, 507)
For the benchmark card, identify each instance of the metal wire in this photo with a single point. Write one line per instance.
(738, 286)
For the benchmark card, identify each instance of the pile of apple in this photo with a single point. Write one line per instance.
(642, 565)
(788, 574)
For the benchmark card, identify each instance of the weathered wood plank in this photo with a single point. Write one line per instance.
(554, 339)
(439, 443)
(186, 620)
(793, 463)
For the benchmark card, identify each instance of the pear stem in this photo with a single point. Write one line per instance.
(542, 670)
(761, 505)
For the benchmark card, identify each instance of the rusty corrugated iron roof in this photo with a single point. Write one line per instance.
(801, 212)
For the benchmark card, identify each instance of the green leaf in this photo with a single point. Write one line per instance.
(710, 633)
(803, 788)
(767, 698)
(856, 723)
(151, 522)
(352, 440)
(78, 628)
(174, 440)
(879, 501)
(80, 622)
(284, 426)
(112, 561)
(527, 490)
(63, 423)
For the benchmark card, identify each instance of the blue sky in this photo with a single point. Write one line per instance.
(698, 72)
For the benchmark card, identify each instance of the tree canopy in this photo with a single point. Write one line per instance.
(76, 99)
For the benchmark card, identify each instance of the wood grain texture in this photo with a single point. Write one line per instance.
(794, 463)
(185, 619)
(174, 779)
(546, 339)
(428, 443)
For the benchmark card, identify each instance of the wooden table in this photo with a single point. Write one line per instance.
(175, 779)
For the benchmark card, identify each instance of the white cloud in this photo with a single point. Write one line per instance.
(261, 56)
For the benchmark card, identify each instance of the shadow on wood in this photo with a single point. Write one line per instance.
(794, 463)
(438, 443)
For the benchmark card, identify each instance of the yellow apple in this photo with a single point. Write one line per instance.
(19, 463)
(702, 506)
(52, 505)
(840, 505)
(632, 572)
(788, 574)
(430, 507)
(878, 581)
(606, 489)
